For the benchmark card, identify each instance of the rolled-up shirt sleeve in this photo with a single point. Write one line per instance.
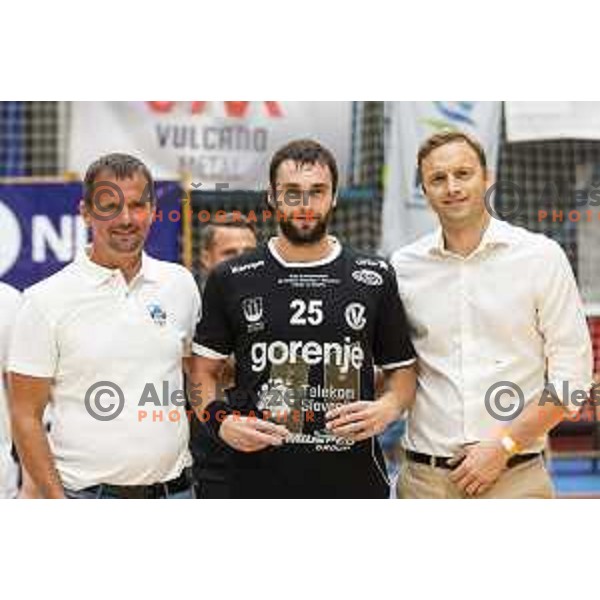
(563, 325)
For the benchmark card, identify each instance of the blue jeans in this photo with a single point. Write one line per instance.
(100, 492)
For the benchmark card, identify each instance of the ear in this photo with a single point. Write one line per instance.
(270, 198)
(84, 212)
(420, 182)
(152, 214)
(204, 260)
(490, 179)
(334, 203)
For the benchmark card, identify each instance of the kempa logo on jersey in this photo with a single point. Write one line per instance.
(346, 355)
(355, 316)
(367, 277)
(248, 267)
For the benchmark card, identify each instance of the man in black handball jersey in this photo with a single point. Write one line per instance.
(307, 319)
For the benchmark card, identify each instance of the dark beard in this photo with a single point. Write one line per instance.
(305, 238)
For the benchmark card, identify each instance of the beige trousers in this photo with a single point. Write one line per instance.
(527, 480)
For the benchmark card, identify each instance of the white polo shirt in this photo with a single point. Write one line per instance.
(86, 325)
(508, 312)
(9, 305)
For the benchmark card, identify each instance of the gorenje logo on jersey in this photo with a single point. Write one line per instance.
(344, 355)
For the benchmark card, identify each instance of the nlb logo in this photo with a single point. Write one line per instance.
(10, 234)
(56, 239)
(234, 109)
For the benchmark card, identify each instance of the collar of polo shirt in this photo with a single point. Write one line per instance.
(101, 275)
(497, 233)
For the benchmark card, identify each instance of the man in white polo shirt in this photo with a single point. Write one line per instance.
(104, 340)
(9, 304)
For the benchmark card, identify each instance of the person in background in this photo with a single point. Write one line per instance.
(10, 300)
(222, 239)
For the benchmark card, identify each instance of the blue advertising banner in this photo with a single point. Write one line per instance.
(41, 229)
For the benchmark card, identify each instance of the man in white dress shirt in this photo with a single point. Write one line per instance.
(495, 313)
(9, 304)
(104, 340)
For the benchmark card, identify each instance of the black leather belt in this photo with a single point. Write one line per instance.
(154, 490)
(442, 462)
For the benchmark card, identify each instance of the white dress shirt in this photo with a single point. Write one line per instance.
(9, 305)
(85, 325)
(510, 311)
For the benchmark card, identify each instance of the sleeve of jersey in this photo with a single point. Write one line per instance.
(393, 348)
(213, 338)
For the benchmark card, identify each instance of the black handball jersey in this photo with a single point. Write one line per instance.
(306, 338)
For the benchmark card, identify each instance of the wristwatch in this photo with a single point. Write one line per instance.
(509, 445)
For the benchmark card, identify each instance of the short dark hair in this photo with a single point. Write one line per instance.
(447, 137)
(228, 220)
(121, 166)
(304, 152)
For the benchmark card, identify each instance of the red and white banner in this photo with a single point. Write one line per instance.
(214, 142)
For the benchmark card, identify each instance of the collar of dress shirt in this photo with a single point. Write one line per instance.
(100, 275)
(497, 233)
